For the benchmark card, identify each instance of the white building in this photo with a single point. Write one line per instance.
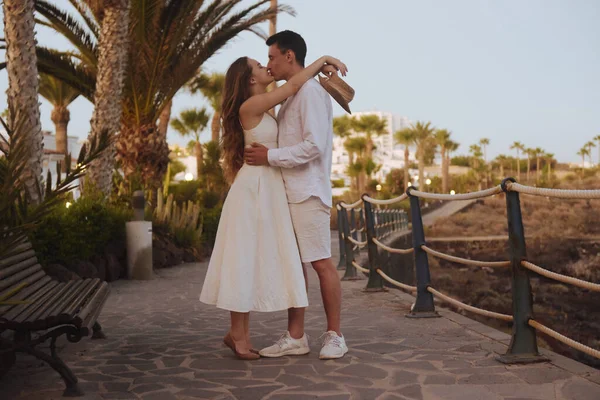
(388, 154)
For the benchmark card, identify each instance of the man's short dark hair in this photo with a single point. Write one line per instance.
(288, 40)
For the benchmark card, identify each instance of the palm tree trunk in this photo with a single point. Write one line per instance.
(112, 58)
(537, 171)
(406, 175)
(518, 167)
(216, 127)
(444, 171)
(448, 169)
(421, 152)
(502, 170)
(60, 117)
(199, 158)
(549, 169)
(165, 117)
(23, 86)
(528, 167)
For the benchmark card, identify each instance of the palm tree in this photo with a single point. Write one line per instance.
(112, 50)
(60, 95)
(589, 146)
(405, 137)
(342, 126)
(164, 119)
(371, 125)
(442, 137)
(423, 139)
(583, 152)
(520, 148)
(211, 87)
(501, 159)
(475, 150)
(530, 154)
(597, 138)
(484, 142)
(356, 148)
(213, 173)
(538, 153)
(190, 123)
(172, 41)
(451, 147)
(23, 86)
(549, 157)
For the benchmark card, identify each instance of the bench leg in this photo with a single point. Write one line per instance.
(71, 386)
(97, 331)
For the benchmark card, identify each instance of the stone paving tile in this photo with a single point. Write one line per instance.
(164, 344)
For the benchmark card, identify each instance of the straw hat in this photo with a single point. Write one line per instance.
(338, 89)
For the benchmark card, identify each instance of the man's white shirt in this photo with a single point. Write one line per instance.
(305, 142)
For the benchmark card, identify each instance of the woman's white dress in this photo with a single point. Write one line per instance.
(255, 264)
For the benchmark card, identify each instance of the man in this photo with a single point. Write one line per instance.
(305, 145)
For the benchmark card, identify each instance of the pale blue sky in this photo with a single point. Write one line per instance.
(507, 69)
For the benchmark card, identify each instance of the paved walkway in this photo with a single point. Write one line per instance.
(163, 344)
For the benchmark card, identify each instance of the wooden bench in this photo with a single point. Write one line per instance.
(44, 308)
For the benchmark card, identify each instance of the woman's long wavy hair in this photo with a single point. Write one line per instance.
(235, 91)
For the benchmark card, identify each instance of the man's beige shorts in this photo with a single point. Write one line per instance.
(311, 224)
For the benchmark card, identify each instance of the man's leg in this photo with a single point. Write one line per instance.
(296, 315)
(331, 292)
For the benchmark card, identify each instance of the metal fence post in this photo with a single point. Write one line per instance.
(523, 344)
(353, 231)
(423, 307)
(375, 282)
(350, 273)
(340, 222)
(363, 226)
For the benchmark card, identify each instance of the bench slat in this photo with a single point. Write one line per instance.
(38, 303)
(69, 312)
(17, 278)
(17, 310)
(13, 269)
(67, 300)
(48, 302)
(58, 303)
(30, 280)
(22, 294)
(96, 307)
(94, 301)
(23, 252)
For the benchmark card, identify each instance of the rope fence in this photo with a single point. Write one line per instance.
(447, 257)
(467, 307)
(377, 223)
(558, 193)
(561, 278)
(561, 338)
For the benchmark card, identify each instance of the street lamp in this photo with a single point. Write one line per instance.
(452, 192)
(189, 176)
(428, 182)
(378, 187)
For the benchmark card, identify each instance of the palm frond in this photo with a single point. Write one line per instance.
(76, 75)
(71, 29)
(87, 15)
(56, 91)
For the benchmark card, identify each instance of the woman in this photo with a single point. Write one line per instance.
(255, 264)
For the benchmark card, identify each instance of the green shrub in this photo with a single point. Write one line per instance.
(80, 231)
(185, 191)
(210, 223)
(338, 183)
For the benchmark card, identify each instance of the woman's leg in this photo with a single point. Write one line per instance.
(247, 330)
(238, 331)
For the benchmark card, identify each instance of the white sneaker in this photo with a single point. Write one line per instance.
(287, 346)
(334, 346)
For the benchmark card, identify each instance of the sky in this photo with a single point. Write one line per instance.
(509, 70)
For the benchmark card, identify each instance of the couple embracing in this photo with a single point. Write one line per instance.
(276, 215)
